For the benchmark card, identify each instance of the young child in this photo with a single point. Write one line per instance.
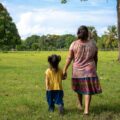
(53, 79)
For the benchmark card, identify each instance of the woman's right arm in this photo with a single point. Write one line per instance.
(68, 62)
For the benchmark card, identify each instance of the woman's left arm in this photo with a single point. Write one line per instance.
(96, 58)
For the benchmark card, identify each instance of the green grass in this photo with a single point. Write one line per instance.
(22, 88)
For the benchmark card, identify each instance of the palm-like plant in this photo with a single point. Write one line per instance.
(111, 36)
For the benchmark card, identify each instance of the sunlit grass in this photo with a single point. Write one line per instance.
(22, 89)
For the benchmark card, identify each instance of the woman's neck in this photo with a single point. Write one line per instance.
(83, 41)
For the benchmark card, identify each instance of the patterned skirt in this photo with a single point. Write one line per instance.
(88, 85)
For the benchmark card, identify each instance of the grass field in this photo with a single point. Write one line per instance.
(22, 88)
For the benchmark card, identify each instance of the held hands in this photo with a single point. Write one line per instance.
(64, 75)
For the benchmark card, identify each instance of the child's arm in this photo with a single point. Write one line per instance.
(46, 82)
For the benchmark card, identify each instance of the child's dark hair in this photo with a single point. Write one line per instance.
(54, 61)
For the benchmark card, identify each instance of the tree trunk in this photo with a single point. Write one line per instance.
(118, 16)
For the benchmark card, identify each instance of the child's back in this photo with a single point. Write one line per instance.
(55, 79)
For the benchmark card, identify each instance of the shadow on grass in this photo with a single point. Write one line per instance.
(72, 111)
(98, 109)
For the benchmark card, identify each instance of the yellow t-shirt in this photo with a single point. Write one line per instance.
(54, 79)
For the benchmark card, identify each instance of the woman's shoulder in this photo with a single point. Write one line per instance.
(74, 43)
(81, 42)
(93, 43)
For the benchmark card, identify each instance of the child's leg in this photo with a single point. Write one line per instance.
(61, 109)
(59, 100)
(50, 100)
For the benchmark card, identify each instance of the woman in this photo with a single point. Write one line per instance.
(83, 53)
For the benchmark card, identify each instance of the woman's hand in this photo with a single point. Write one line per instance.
(64, 75)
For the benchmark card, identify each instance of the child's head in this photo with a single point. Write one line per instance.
(54, 61)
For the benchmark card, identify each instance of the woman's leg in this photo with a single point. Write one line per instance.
(80, 101)
(87, 103)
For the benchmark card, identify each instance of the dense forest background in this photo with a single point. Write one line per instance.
(11, 40)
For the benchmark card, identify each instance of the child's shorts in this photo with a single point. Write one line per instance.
(55, 97)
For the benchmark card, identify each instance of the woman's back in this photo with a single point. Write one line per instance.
(84, 58)
(84, 53)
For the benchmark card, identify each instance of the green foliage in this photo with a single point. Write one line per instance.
(8, 32)
(112, 36)
(22, 46)
(10, 39)
(110, 39)
(101, 42)
(47, 42)
(93, 33)
(30, 40)
(35, 46)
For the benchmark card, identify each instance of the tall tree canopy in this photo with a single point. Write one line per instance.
(9, 36)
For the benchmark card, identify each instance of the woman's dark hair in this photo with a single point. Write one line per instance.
(54, 61)
(83, 33)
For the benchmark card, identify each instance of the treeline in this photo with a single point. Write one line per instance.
(108, 41)
(47, 42)
(10, 38)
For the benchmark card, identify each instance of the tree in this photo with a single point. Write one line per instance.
(101, 42)
(69, 39)
(30, 40)
(22, 46)
(47, 42)
(111, 34)
(9, 36)
(118, 21)
(118, 18)
(93, 33)
(35, 46)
